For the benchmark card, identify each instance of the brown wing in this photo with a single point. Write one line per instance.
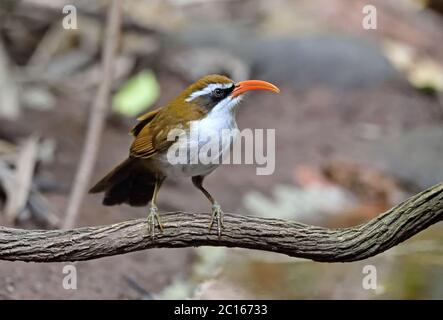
(152, 137)
(143, 121)
(151, 140)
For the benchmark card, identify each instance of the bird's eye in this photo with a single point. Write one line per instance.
(218, 92)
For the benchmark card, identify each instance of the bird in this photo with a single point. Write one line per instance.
(209, 105)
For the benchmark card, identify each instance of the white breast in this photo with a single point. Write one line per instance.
(206, 142)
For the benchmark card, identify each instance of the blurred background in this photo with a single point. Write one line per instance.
(358, 129)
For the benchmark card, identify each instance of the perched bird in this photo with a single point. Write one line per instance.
(207, 105)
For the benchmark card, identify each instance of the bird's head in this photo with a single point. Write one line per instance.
(216, 92)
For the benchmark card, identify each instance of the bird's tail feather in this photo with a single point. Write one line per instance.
(130, 182)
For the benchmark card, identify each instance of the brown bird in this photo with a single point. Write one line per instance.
(208, 107)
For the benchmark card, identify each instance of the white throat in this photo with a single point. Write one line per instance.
(218, 124)
(226, 106)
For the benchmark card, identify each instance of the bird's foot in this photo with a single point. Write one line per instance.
(217, 215)
(153, 220)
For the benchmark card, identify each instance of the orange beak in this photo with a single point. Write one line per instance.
(249, 85)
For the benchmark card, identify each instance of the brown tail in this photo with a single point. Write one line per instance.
(129, 183)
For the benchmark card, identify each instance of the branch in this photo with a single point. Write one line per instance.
(191, 229)
(97, 118)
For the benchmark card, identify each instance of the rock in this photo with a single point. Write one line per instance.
(193, 64)
(414, 156)
(38, 98)
(333, 61)
(337, 61)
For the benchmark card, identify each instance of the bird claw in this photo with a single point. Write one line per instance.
(153, 219)
(217, 215)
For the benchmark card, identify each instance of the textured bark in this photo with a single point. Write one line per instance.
(191, 229)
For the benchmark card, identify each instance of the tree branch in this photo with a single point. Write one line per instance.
(97, 118)
(191, 229)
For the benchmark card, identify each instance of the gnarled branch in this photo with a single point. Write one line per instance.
(191, 229)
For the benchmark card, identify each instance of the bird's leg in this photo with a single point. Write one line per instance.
(153, 217)
(217, 213)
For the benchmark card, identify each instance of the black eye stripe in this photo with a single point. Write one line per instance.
(218, 92)
(210, 100)
(221, 93)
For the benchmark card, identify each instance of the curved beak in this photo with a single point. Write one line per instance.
(249, 85)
